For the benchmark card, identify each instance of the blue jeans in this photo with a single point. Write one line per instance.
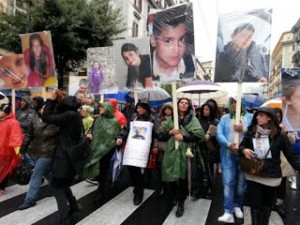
(234, 182)
(42, 168)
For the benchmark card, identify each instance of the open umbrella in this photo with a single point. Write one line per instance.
(252, 101)
(155, 96)
(121, 96)
(273, 103)
(200, 90)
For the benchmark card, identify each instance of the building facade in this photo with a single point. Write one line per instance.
(282, 57)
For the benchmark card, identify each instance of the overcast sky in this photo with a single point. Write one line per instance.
(285, 15)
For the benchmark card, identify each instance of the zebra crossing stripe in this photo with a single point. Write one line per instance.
(44, 207)
(193, 211)
(275, 219)
(15, 190)
(116, 210)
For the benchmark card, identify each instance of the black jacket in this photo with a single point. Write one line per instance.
(271, 167)
(69, 121)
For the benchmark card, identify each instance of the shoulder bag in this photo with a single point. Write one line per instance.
(253, 166)
(80, 153)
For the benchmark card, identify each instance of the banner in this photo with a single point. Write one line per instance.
(101, 71)
(138, 144)
(133, 67)
(243, 46)
(172, 43)
(39, 59)
(12, 72)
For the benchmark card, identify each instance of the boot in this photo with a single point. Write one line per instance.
(180, 209)
(74, 206)
(99, 194)
(266, 212)
(255, 217)
(138, 196)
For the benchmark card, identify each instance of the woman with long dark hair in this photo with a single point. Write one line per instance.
(174, 168)
(261, 189)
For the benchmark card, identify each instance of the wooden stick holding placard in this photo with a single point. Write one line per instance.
(238, 112)
(175, 109)
(44, 93)
(13, 99)
(101, 98)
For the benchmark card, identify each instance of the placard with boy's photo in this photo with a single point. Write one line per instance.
(172, 43)
(261, 146)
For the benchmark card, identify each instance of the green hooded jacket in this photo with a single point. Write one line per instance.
(174, 163)
(106, 127)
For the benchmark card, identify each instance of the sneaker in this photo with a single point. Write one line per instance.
(238, 213)
(92, 181)
(226, 218)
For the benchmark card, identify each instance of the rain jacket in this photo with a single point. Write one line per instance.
(225, 132)
(174, 163)
(104, 130)
(11, 136)
(119, 116)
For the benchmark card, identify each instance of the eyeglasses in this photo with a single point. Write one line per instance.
(170, 42)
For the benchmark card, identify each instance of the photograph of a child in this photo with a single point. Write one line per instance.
(291, 98)
(243, 46)
(39, 59)
(172, 43)
(261, 145)
(139, 133)
(12, 72)
(101, 72)
(135, 71)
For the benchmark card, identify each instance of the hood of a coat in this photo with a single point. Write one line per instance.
(162, 111)
(269, 111)
(69, 103)
(243, 107)
(40, 102)
(114, 103)
(109, 112)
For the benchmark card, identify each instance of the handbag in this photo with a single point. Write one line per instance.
(253, 166)
(22, 173)
(81, 153)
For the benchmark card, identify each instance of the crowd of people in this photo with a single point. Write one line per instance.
(39, 132)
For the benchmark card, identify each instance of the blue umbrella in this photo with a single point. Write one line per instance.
(121, 96)
(252, 101)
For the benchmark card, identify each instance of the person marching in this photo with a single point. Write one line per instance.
(137, 174)
(174, 168)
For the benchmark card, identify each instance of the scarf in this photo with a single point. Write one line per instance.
(260, 131)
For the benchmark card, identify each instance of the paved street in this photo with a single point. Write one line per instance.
(117, 208)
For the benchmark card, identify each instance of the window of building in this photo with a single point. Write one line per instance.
(135, 29)
(138, 5)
